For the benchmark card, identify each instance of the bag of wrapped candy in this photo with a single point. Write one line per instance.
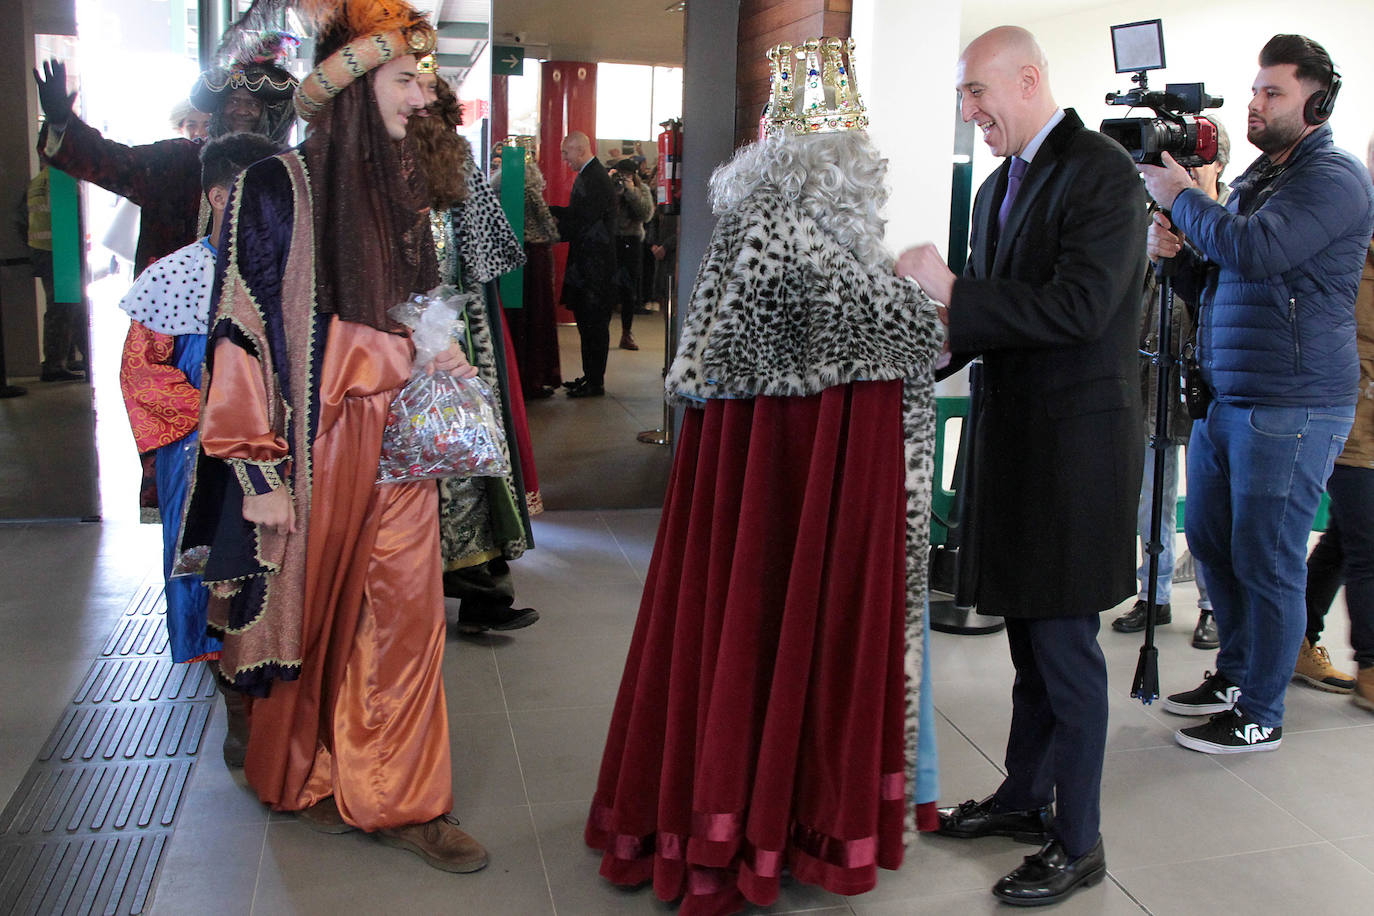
(438, 425)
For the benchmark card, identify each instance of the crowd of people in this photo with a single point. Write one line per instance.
(783, 611)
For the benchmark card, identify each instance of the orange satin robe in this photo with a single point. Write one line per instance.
(366, 721)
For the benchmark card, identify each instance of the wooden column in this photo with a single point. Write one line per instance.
(764, 23)
(500, 108)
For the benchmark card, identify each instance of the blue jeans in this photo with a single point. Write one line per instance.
(1255, 478)
(1168, 525)
(1345, 553)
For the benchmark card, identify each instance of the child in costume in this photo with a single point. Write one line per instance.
(159, 375)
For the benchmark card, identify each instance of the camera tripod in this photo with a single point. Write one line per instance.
(1145, 687)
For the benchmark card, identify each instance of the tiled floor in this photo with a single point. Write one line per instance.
(586, 449)
(1285, 832)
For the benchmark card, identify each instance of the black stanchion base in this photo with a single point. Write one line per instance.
(947, 617)
(12, 391)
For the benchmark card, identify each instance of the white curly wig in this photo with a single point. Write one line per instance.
(837, 178)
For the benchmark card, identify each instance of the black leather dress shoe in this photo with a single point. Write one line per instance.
(578, 382)
(586, 391)
(972, 819)
(1133, 621)
(1051, 875)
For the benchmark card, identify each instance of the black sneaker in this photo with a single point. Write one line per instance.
(1230, 732)
(1205, 633)
(1133, 621)
(1215, 694)
(59, 375)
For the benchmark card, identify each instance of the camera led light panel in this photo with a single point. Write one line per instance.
(1138, 46)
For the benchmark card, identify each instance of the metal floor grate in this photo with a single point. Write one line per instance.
(85, 830)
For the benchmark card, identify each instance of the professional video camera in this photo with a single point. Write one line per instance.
(1138, 47)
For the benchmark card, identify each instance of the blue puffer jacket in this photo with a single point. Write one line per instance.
(1284, 255)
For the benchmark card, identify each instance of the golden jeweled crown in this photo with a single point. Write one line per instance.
(827, 99)
(427, 64)
(526, 142)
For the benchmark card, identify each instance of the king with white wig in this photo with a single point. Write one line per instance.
(768, 716)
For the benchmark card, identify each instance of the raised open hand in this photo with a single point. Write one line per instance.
(52, 93)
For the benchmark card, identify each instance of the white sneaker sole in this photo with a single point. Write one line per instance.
(1207, 747)
(1186, 709)
(1347, 687)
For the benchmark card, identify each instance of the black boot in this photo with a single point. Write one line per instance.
(494, 618)
(1205, 633)
(235, 747)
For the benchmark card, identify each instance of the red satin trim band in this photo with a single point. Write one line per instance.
(705, 881)
(766, 863)
(725, 828)
(842, 853)
(631, 847)
(718, 828)
(670, 846)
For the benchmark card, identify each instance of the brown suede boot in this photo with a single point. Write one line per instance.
(324, 817)
(1364, 688)
(235, 747)
(440, 843)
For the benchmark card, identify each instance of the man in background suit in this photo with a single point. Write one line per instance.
(1049, 300)
(588, 223)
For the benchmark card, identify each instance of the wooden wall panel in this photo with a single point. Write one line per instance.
(764, 23)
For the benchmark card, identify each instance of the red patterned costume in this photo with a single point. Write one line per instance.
(163, 406)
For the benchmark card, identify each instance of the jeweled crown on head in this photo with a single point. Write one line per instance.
(813, 88)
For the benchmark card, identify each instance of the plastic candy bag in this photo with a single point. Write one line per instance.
(438, 425)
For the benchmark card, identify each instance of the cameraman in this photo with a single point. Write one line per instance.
(634, 206)
(1276, 279)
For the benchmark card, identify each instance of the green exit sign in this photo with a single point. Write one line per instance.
(507, 60)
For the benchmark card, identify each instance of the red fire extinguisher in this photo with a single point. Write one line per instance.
(670, 167)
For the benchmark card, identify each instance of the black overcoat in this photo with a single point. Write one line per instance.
(587, 223)
(1053, 309)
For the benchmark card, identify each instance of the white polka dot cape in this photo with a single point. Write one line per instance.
(173, 295)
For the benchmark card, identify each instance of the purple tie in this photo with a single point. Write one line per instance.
(1018, 171)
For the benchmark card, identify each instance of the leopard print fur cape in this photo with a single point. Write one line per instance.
(487, 244)
(779, 308)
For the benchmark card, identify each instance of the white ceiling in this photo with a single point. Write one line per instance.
(464, 31)
(624, 31)
(644, 32)
(981, 15)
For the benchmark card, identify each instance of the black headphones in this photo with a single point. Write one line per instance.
(1320, 104)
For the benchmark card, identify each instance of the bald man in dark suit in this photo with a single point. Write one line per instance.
(1050, 302)
(588, 224)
